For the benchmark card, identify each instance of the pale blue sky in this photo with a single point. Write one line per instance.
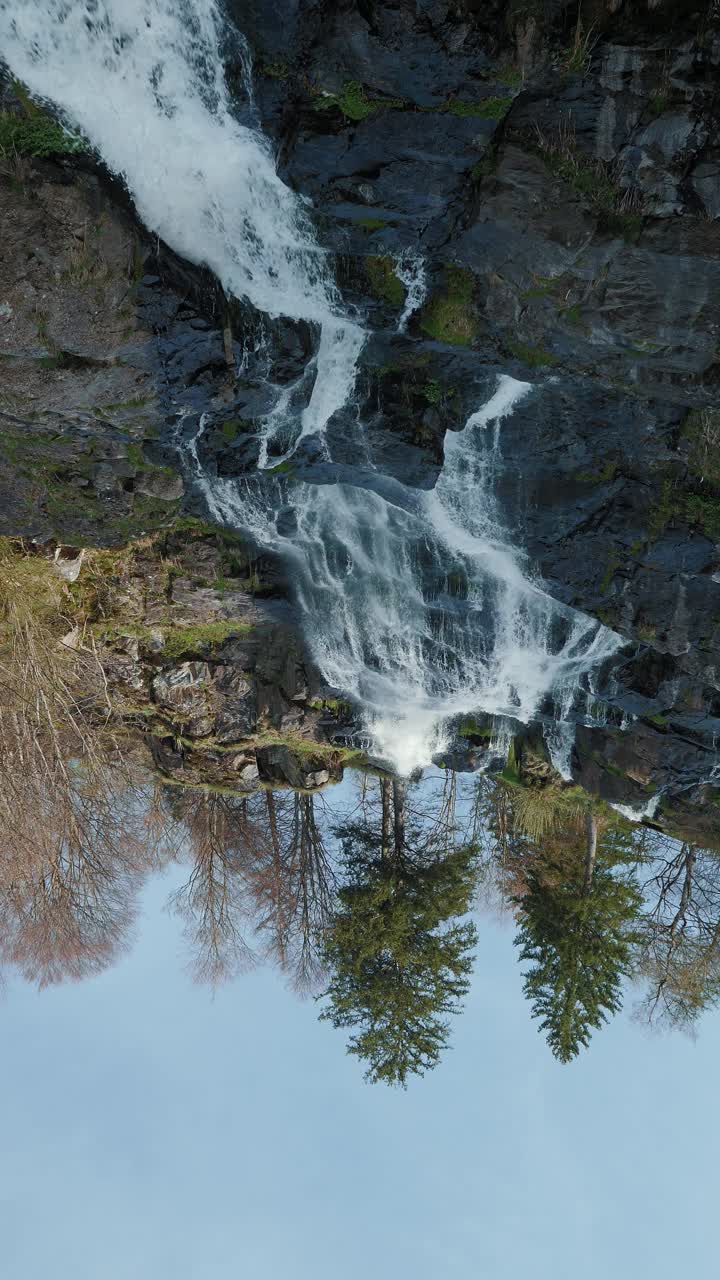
(150, 1132)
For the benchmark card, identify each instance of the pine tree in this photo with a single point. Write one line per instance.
(577, 932)
(395, 971)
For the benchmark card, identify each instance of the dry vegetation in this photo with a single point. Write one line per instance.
(72, 838)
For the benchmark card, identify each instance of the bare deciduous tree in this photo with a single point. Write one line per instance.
(73, 843)
(679, 955)
(214, 902)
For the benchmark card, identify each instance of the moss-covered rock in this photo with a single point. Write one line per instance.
(450, 315)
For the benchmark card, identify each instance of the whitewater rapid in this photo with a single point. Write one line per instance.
(416, 604)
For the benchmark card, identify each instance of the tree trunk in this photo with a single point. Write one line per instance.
(399, 810)
(592, 835)
(385, 796)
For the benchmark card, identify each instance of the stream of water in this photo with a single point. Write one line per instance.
(416, 604)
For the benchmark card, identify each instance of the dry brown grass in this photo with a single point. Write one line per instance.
(73, 835)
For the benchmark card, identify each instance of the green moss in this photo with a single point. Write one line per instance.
(384, 283)
(667, 508)
(230, 428)
(282, 469)
(136, 457)
(658, 103)
(624, 223)
(612, 567)
(607, 765)
(457, 584)
(469, 728)
(372, 224)
(449, 316)
(704, 512)
(542, 287)
(38, 136)
(603, 476)
(29, 107)
(486, 166)
(571, 315)
(184, 642)
(608, 472)
(646, 632)
(511, 772)
(354, 103)
(203, 529)
(276, 70)
(192, 524)
(432, 392)
(533, 357)
(407, 365)
(486, 109)
(222, 584)
(507, 75)
(606, 616)
(336, 706)
(137, 402)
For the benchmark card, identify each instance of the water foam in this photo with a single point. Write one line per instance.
(411, 271)
(636, 813)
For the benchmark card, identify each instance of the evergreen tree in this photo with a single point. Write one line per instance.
(395, 971)
(577, 932)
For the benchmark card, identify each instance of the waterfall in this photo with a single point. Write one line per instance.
(416, 604)
(637, 813)
(144, 81)
(411, 271)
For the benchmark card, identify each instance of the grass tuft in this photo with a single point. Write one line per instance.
(533, 357)
(353, 102)
(37, 136)
(449, 316)
(618, 210)
(486, 109)
(372, 224)
(701, 429)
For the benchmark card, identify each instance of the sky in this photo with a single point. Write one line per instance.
(150, 1130)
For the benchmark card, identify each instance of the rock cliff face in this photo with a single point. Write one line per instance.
(557, 169)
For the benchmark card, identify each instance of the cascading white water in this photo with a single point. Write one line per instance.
(411, 272)
(414, 603)
(636, 813)
(144, 81)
